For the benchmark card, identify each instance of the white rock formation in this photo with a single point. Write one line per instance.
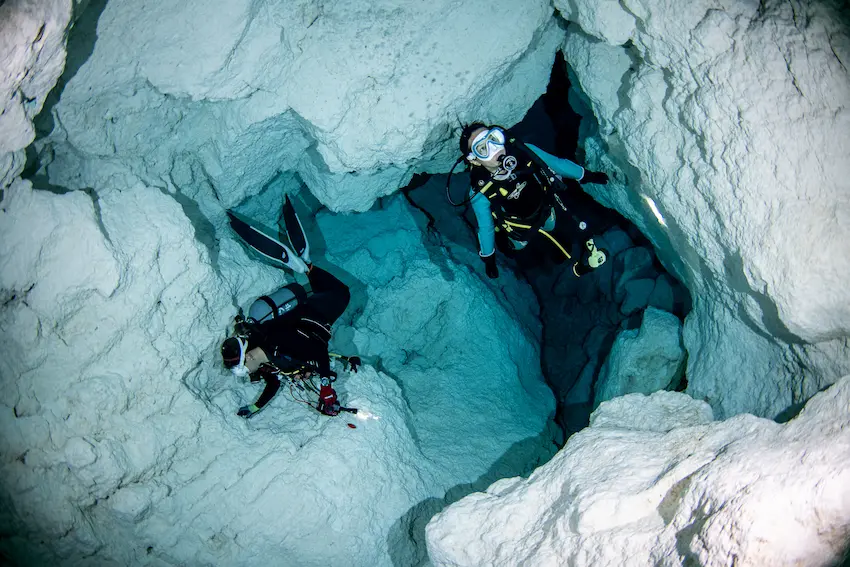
(32, 56)
(643, 360)
(119, 439)
(654, 482)
(119, 442)
(244, 91)
(733, 118)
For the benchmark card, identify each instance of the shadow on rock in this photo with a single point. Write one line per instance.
(406, 540)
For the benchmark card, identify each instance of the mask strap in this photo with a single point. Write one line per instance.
(243, 344)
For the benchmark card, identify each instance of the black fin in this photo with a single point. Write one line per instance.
(265, 244)
(294, 230)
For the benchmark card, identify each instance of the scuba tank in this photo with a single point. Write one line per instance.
(268, 307)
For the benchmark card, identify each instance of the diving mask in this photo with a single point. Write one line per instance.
(487, 143)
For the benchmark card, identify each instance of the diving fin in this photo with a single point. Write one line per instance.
(295, 231)
(266, 245)
(596, 256)
(594, 259)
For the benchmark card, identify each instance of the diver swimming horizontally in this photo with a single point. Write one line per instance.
(285, 336)
(515, 190)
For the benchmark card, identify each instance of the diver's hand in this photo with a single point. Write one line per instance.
(490, 265)
(247, 411)
(598, 177)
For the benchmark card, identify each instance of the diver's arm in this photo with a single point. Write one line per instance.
(272, 386)
(561, 166)
(484, 219)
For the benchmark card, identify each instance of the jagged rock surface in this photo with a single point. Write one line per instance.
(32, 52)
(733, 120)
(242, 91)
(643, 360)
(654, 482)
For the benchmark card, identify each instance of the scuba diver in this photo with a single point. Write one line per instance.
(285, 336)
(514, 190)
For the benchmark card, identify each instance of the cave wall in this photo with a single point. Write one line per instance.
(732, 118)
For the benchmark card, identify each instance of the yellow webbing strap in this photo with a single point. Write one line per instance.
(483, 189)
(556, 243)
(509, 225)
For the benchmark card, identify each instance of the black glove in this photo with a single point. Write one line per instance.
(247, 411)
(490, 265)
(597, 177)
(355, 363)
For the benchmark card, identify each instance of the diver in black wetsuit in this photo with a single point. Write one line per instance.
(287, 333)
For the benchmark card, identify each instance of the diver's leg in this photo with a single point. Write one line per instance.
(330, 296)
(295, 231)
(266, 245)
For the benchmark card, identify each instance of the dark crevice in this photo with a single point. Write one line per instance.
(204, 230)
(566, 316)
(80, 46)
(770, 320)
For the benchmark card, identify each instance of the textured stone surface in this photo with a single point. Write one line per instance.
(654, 482)
(119, 429)
(32, 56)
(643, 360)
(636, 296)
(605, 19)
(732, 119)
(629, 265)
(119, 441)
(246, 90)
(664, 294)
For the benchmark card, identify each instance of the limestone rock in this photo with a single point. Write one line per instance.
(663, 295)
(633, 263)
(32, 47)
(660, 411)
(643, 360)
(601, 89)
(638, 488)
(321, 90)
(607, 20)
(636, 295)
(582, 391)
(708, 84)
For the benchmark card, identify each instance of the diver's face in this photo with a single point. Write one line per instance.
(486, 147)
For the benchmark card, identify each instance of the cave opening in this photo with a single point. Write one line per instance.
(122, 442)
(581, 318)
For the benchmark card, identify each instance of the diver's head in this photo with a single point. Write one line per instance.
(483, 145)
(466, 135)
(241, 361)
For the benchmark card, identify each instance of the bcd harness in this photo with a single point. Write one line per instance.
(278, 305)
(515, 227)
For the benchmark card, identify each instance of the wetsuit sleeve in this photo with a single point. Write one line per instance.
(484, 219)
(561, 166)
(272, 386)
(330, 296)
